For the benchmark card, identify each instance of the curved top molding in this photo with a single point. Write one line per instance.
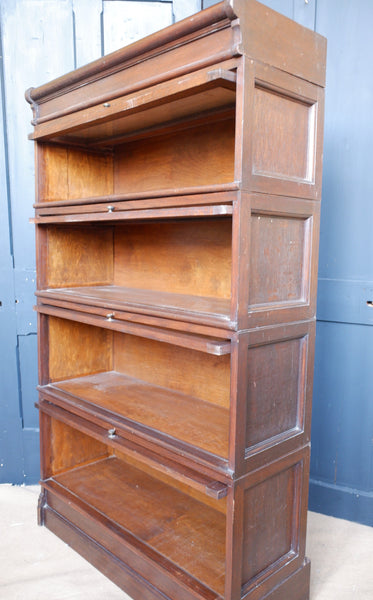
(150, 44)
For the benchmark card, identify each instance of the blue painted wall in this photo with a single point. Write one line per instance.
(54, 36)
(341, 481)
(342, 435)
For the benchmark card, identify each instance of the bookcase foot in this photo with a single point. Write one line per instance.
(41, 506)
(295, 587)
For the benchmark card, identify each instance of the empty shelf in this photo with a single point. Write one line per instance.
(186, 532)
(135, 404)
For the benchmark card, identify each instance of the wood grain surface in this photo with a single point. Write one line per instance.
(159, 408)
(185, 531)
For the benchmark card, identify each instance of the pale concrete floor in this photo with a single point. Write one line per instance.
(35, 564)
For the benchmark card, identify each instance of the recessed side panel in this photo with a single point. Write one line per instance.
(277, 393)
(274, 522)
(287, 134)
(268, 522)
(279, 260)
(283, 144)
(274, 509)
(282, 260)
(276, 390)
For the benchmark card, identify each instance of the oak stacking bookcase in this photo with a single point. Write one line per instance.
(177, 224)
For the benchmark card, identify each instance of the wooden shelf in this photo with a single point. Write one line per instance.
(205, 91)
(181, 530)
(150, 302)
(177, 473)
(148, 410)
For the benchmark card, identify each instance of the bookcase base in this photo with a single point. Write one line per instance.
(138, 587)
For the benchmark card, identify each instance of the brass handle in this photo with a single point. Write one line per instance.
(112, 433)
(111, 209)
(110, 316)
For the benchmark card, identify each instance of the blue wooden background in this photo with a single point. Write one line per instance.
(42, 39)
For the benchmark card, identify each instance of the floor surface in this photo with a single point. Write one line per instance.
(35, 564)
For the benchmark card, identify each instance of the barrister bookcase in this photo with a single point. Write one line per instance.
(177, 218)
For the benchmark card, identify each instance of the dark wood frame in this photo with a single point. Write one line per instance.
(235, 60)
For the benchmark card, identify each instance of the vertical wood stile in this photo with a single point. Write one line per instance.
(234, 542)
(244, 124)
(237, 429)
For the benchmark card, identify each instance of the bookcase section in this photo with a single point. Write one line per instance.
(177, 211)
(125, 382)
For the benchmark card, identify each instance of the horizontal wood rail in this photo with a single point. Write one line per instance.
(170, 100)
(203, 194)
(212, 210)
(196, 480)
(193, 342)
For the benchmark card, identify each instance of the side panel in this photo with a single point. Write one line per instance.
(274, 507)
(342, 452)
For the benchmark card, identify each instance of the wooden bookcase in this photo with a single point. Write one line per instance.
(177, 217)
